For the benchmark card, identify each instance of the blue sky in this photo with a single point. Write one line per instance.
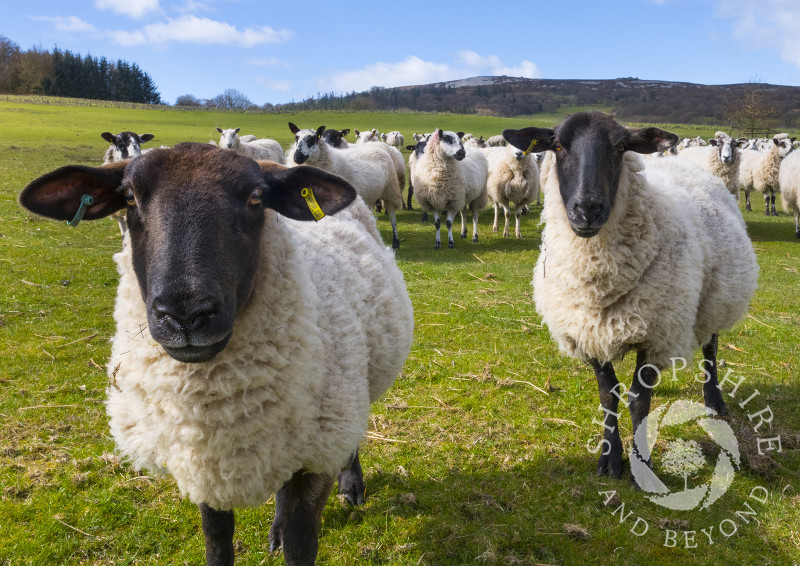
(282, 51)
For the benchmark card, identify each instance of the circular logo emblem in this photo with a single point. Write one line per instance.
(683, 457)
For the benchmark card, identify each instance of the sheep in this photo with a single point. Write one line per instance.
(369, 136)
(394, 139)
(474, 142)
(721, 157)
(124, 145)
(496, 141)
(513, 177)
(250, 342)
(626, 265)
(368, 167)
(336, 138)
(259, 149)
(789, 180)
(448, 178)
(759, 171)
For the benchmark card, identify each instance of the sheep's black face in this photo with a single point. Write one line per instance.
(589, 148)
(195, 235)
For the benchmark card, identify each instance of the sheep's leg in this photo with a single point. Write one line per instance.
(610, 461)
(298, 514)
(410, 194)
(475, 225)
(218, 530)
(437, 223)
(451, 243)
(712, 395)
(506, 215)
(518, 215)
(351, 481)
(797, 224)
(772, 198)
(463, 223)
(496, 214)
(645, 378)
(766, 200)
(122, 222)
(747, 200)
(393, 220)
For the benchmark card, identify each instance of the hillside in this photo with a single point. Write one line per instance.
(630, 99)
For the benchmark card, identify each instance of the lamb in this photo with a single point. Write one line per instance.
(394, 139)
(496, 141)
(250, 341)
(124, 145)
(721, 157)
(448, 178)
(760, 170)
(789, 180)
(368, 167)
(513, 177)
(258, 149)
(626, 265)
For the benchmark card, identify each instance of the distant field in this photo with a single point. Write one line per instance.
(477, 455)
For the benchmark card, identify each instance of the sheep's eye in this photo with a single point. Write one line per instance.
(130, 198)
(255, 197)
(558, 147)
(620, 148)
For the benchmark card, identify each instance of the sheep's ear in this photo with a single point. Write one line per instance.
(712, 141)
(345, 132)
(411, 147)
(236, 131)
(305, 193)
(219, 130)
(460, 134)
(59, 194)
(356, 132)
(109, 137)
(294, 129)
(530, 139)
(650, 140)
(146, 137)
(319, 131)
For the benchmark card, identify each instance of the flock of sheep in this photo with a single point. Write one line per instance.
(263, 348)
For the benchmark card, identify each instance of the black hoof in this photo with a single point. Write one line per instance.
(610, 466)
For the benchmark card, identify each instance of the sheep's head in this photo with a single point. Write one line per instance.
(306, 143)
(589, 148)
(127, 145)
(448, 143)
(335, 138)
(725, 146)
(228, 138)
(195, 216)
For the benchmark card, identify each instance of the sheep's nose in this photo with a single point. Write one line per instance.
(181, 319)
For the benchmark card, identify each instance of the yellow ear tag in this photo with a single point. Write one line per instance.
(312, 203)
(530, 147)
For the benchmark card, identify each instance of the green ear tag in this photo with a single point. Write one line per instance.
(86, 202)
(312, 203)
(530, 147)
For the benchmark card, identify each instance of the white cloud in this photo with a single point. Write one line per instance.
(276, 85)
(771, 24)
(69, 24)
(414, 71)
(130, 8)
(191, 29)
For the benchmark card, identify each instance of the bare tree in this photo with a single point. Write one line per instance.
(750, 112)
(232, 99)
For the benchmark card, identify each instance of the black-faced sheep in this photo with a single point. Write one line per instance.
(250, 342)
(627, 265)
(124, 145)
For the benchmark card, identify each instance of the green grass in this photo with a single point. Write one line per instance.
(477, 455)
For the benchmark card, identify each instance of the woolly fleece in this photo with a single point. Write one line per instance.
(659, 276)
(789, 178)
(707, 157)
(324, 334)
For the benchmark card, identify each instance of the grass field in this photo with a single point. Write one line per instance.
(478, 455)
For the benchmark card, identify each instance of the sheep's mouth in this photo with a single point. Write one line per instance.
(585, 232)
(197, 354)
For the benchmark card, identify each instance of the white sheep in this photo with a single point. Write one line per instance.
(394, 139)
(124, 145)
(448, 178)
(626, 265)
(372, 135)
(789, 179)
(336, 138)
(496, 141)
(259, 149)
(369, 167)
(250, 342)
(759, 170)
(513, 177)
(721, 158)
(394, 153)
